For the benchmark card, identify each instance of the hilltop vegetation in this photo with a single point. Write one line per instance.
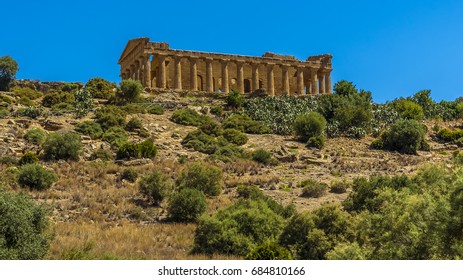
(128, 174)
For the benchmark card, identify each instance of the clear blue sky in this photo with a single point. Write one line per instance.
(392, 48)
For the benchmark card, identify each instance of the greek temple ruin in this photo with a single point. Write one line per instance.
(156, 65)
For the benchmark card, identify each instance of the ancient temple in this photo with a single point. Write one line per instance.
(156, 65)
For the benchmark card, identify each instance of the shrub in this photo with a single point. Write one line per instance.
(62, 146)
(211, 127)
(187, 205)
(156, 110)
(130, 90)
(201, 142)
(202, 176)
(344, 88)
(23, 226)
(27, 92)
(116, 136)
(405, 136)
(235, 136)
(101, 154)
(339, 187)
(217, 110)
(311, 188)
(31, 112)
(83, 102)
(35, 136)
(133, 109)
(109, 116)
(56, 97)
(316, 142)
(4, 113)
(8, 160)
(262, 156)
(26, 101)
(449, 135)
(269, 251)
(130, 175)
(155, 186)
(70, 87)
(133, 124)
(235, 99)
(227, 152)
(188, 117)
(408, 109)
(100, 88)
(248, 192)
(27, 158)
(145, 149)
(90, 128)
(244, 123)
(36, 177)
(237, 229)
(309, 125)
(423, 98)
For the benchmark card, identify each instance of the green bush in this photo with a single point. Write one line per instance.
(70, 87)
(344, 88)
(145, 149)
(312, 188)
(130, 90)
(237, 229)
(27, 158)
(155, 186)
(269, 251)
(27, 92)
(4, 113)
(227, 152)
(90, 128)
(133, 124)
(235, 136)
(8, 69)
(25, 101)
(244, 123)
(408, 109)
(188, 117)
(100, 88)
(83, 102)
(316, 142)
(5, 98)
(133, 108)
(35, 136)
(187, 205)
(31, 112)
(217, 111)
(55, 97)
(339, 187)
(102, 154)
(36, 177)
(405, 136)
(248, 192)
(448, 135)
(211, 127)
(116, 136)
(130, 175)
(8, 160)
(62, 146)
(202, 176)
(235, 99)
(429, 106)
(109, 116)
(309, 125)
(201, 142)
(23, 227)
(262, 156)
(156, 110)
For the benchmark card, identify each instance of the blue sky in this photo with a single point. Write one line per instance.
(392, 48)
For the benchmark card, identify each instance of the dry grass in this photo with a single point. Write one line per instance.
(124, 241)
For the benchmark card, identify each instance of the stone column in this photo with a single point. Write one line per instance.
(138, 74)
(300, 81)
(255, 76)
(162, 71)
(240, 75)
(285, 81)
(225, 85)
(132, 71)
(177, 73)
(322, 82)
(314, 81)
(270, 80)
(193, 73)
(209, 75)
(328, 86)
(147, 71)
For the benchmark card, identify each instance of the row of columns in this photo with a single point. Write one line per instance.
(319, 83)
